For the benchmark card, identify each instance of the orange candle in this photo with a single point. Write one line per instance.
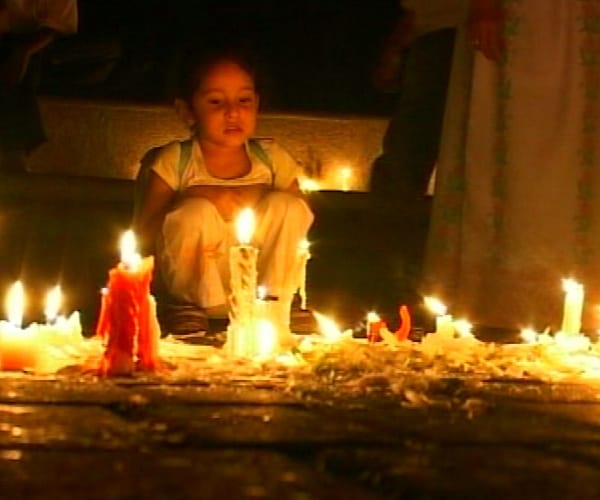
(18, 346)
(128, 314)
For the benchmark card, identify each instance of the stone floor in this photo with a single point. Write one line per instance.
(247, 439)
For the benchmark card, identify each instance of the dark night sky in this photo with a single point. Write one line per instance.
(316, 55)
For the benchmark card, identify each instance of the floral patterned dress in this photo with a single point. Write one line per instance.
(517, 195)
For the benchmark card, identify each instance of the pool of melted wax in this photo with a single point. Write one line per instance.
(436, 371)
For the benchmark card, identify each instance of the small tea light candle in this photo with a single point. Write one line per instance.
(443, 321)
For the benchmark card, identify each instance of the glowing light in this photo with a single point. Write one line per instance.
(463, 327)
(15, 304)
(245, 224)
(128, 245)
(53, 303)
(435, 306)
(328, 327)
(372, 317)
(307, 184)
(529, 335)
(345, 178)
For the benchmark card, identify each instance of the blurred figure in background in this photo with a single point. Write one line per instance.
(517, 195)
(27, 28)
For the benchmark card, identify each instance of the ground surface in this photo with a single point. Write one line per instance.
(249, 439)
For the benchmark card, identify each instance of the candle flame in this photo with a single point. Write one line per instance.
(15, 304)
(571, 285)
(304, 245)
(435, 306)
(129, 256)
(328, 327)
(245, 226)
(529, 336)
(463, 327)
(372, 317)
(308, 184)
(53, 303)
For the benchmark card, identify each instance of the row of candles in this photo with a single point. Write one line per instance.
(21, 347)
(447, 326)
(128, 324)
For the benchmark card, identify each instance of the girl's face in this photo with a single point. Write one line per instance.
(225, 106)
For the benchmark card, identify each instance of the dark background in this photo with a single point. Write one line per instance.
(315, 56)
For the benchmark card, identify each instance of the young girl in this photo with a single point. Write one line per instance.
(195, 190)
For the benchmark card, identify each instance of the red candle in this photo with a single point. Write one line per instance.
(374, 326)
(405, 324)
(127, 319)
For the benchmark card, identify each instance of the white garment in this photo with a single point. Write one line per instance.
(517, 198)
(29, 15)
(285, 168)
(196, 240)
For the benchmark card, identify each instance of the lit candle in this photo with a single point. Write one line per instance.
(443, 321)
(127, 320)
(374, 325)
(463, 327)
(242, 261)
(58, 329)
(18, 346)
(303, 257)
(573, 306)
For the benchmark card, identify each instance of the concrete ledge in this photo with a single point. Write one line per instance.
(107, 140)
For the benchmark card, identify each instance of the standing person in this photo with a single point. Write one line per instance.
(414, 64)
(517, 199)
(189, 204)
(27, 27)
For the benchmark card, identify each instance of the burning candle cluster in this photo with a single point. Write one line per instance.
(24, 348)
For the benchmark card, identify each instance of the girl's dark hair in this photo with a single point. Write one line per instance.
(194, 63)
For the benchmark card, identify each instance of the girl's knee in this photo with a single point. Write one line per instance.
(192, 214)
(289, 206)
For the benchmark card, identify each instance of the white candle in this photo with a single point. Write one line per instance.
(303, 257)
(444, 324)
(573, 306)
(242, 262)
(18, 346)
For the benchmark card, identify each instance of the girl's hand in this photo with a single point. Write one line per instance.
(485, 28)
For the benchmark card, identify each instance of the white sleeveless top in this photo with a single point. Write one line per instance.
(280, 174)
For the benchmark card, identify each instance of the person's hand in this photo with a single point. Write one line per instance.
(485, 28)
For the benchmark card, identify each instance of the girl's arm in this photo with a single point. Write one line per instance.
(147, 222)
